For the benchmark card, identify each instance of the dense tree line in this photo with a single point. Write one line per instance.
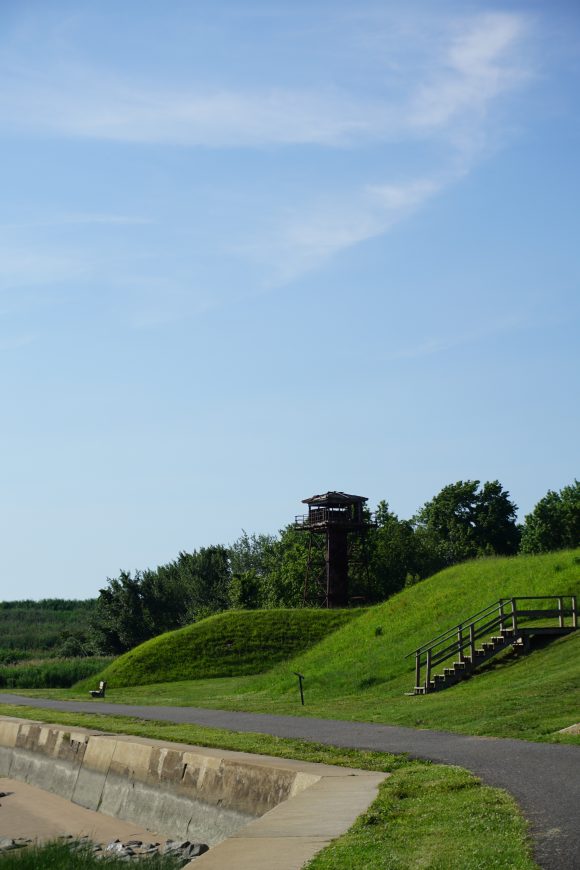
(554, 524)
(465, 520)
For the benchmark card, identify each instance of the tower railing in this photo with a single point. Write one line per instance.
(332, 516)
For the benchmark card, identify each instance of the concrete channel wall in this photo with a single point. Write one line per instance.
(190, 792)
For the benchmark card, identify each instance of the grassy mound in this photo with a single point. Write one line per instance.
(372, 650)
(359, 673)
(360, 670)
(228, 644)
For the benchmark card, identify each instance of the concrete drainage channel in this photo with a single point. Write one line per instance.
(254, 811)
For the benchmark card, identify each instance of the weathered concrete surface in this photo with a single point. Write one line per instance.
(28, 811)
(571, 729)
(193, 793)
(289, 835)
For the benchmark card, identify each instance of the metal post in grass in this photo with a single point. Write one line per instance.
(561, 612)
(472, 642)
(574, 612)
(460, 642)
(428, 671)
(501, 619)
(300, 678)
(417, 669)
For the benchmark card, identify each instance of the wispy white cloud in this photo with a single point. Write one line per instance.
(123, 111)
(305, 241)
(30, 265)
(448, 98)
(77, 220)
(467, 68)
(16, 342)
(477, 66)
(441, 344)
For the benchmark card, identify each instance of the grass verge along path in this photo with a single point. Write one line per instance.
(425, 816)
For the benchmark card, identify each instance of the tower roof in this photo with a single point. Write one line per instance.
(330, 499)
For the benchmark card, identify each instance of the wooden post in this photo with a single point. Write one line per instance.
(417, 669)
(428, 671)
(460, 642)
(560, 613)
(574, 612)
(472, 642)
(501, 616)
(514, 616)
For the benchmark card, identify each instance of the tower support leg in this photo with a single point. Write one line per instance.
(336, 568)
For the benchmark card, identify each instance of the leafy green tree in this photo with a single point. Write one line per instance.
(554, 523)
(131, 609)
(496, 531)
(119, 621)
(245, 591)
(462, 522)
(206, 574)
(252, 558)
(393, 553)
(286, 571)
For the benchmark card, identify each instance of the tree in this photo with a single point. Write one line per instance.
(251, 560)
(134, 608)
(463, 522)
(392, 551)
(554, 523)
(119, 621)
(245, 591)
(206, 575)
(286, 571)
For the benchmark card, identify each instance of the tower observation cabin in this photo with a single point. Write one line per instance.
(334, 520)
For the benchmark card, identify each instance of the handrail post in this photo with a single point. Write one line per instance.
(460, 642)
(501, 615)
(417, 669)
(574, 612)
(514, 616)
(428, 671)
(560, 612)
(472, 643)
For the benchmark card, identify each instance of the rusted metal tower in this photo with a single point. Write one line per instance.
(334, 520)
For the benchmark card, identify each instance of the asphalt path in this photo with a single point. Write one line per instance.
(544, 778)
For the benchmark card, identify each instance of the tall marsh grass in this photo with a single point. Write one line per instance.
(50, 674)
(73, 856)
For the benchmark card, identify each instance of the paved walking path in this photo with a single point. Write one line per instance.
(544, 778)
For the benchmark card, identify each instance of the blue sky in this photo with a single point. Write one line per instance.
(251, 251)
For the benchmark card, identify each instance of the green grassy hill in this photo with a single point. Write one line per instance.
(228, 644)
(356, 672)
(357, 658)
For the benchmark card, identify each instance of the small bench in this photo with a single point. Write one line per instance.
(100, 692)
